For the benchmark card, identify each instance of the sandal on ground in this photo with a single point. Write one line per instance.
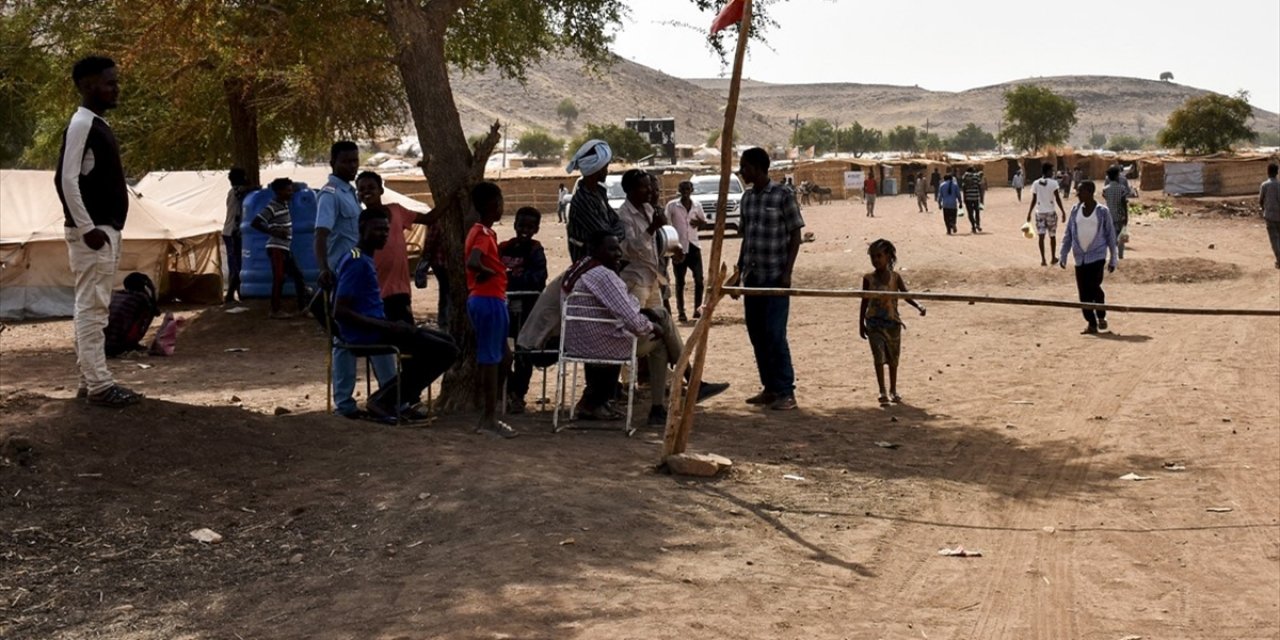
(377, 413)
(499, 430)
(884, 401)
(895, 398)
(114, 397)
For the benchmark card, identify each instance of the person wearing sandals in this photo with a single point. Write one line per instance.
(878, 322)
(361, 319)
(487, 306)
(95, 202)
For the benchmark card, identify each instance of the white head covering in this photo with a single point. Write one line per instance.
(593, 156)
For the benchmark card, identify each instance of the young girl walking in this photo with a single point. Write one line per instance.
(879, 323)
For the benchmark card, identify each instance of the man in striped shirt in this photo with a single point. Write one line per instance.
(589, 210)
(973, 197)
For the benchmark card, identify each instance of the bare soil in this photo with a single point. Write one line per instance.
(1012, 440)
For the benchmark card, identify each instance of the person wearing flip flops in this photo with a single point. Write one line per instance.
(95, 203)
(487, 306)
(1044, 193)
(361, 319)
(878, 321)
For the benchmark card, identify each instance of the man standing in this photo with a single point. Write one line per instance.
(869, 191)
(973, 196)
(231, 229)
(935, 180)
(392, 260)
(1269, 198)
(589, 208)
(95, 202)
(949, 201)
(337, 233)
(1044, 192)
(687, 217)
(771, 234)
(922, 194)
(1018, 183)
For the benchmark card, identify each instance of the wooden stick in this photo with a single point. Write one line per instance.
(717, 241)
(679, 402)
(1031, 302)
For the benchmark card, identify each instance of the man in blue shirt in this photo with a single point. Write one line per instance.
(949, 202)
(337, 233)
(361, 320)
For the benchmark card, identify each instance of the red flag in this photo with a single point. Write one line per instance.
(730, 14)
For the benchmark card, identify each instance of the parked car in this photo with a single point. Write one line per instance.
(706, 190)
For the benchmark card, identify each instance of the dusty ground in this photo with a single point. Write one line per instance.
(1012, 442)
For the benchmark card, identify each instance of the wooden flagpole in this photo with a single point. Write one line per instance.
(681, 405)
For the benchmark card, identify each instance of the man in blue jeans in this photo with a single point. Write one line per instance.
(337, 233)
(771, 225)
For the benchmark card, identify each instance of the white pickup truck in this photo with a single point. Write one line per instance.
(706, 190)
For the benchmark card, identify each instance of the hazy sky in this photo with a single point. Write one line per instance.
(1222, 45)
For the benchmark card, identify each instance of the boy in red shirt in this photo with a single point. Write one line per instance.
(487, 303)
(869, 191)
(392, 261)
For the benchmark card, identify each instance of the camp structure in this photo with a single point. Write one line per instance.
(179, 251)
(1220, 175)
(204, 193)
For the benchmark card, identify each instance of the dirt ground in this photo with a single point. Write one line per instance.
(1014, 436)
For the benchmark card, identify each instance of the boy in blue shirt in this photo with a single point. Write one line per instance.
(949, 202)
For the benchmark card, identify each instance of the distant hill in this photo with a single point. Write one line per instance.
(1108, 105)
(623, 90)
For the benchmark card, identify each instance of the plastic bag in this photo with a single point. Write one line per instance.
(167, 337)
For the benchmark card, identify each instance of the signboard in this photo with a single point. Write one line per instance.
(660, 132)
(853, 180)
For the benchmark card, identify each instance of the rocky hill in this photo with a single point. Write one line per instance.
(1108, 105)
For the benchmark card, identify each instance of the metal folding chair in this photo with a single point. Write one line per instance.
(366, 351)
(577, 309)
(527, 297)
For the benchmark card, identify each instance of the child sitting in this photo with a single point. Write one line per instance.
(277, 223)
(130, 315)
(878, 322)
(526, 264)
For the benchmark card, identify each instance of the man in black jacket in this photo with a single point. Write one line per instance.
(95, 202)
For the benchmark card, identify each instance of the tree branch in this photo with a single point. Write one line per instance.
(484, 149)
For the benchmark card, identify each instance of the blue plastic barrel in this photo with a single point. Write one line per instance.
(255, 270)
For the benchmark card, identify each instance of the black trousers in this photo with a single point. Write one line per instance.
(692, 264)
(973, 208)
(601, 383)
(1089, 283)
(949, 218)
(430, 352)
(398, 307)
(522, 370)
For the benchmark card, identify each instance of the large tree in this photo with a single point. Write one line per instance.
(1037, 117)
(817, 133)
(627, 144)
(540, 144)
(903, 139)
(971, 138)
(859, 140)
(210, 84)
(1209, 123)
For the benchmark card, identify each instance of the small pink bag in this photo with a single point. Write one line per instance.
(167, 337)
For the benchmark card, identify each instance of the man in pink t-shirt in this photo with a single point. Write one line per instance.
(392, 261)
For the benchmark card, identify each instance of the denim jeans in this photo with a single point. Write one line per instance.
(766, 318)
(344, 378)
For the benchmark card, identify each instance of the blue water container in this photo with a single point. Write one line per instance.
(255, 270)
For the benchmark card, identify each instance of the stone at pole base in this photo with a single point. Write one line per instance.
(703, 465)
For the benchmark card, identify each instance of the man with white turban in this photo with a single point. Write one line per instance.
(589, 210)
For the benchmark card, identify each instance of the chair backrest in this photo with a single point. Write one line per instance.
(578, 310)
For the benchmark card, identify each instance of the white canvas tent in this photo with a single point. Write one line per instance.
(200, 193)
(178, 251)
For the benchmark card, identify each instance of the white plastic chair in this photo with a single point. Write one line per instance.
(575, 309)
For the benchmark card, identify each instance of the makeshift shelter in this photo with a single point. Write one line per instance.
(1151, 174)
(179, 251)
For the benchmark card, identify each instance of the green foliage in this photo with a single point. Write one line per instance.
(301, 70)
(858, 140)
(627, 145)
(931, 142)
(567, 111)
(1163, 210)
(23, 69)
(1124, 143)
(1097, 140)
(1037, 117)
(903, 139)
(540, 145)
(1269, 138)
(971, 138)
(817, 133)
(1209, 123)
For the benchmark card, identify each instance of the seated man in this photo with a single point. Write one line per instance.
(361, 320)
(596, 276)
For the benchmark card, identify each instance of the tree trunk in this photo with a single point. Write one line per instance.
(450, 166)
(244, 126)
